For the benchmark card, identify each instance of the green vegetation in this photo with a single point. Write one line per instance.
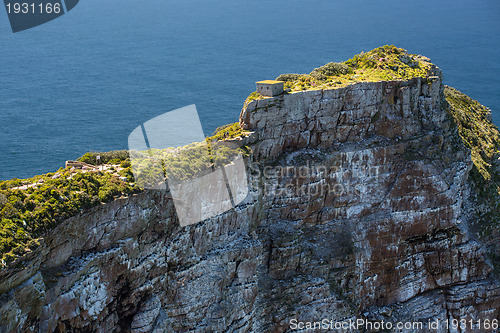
(288, 77)
(331, 69)
(253, 97)
(381, 64)
(230, 131)
(479, 134)
(111, 157)
(26, 213)
(181, 164)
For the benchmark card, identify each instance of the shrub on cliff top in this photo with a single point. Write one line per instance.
(113, 157)
(229, 131)
(330, 69)
(371, 59)
(289, 77)
(25, 214)
(252, 97)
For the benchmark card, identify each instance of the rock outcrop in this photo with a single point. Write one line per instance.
(358, 209)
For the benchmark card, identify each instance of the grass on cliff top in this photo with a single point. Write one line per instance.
(190, 161)
(381, 64)
(110, 157)
(230, 131)
(183, 163)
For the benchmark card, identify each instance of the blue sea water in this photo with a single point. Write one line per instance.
(84, 81)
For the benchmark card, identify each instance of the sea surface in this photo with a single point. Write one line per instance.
(84, 81)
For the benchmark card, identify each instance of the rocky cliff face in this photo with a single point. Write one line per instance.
(359, 208)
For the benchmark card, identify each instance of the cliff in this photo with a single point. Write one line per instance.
(364, 204)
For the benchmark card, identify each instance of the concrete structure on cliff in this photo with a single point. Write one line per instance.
(270, 87)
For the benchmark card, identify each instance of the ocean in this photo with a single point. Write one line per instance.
(84, 81)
